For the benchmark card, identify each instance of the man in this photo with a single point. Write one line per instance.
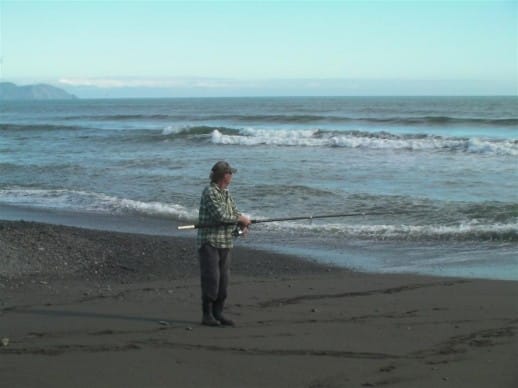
(218, 211)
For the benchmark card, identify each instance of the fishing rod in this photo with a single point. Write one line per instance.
(238, 231)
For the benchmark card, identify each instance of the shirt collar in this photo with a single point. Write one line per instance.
(213, 184)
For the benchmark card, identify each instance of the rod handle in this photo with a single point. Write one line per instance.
(186, 227)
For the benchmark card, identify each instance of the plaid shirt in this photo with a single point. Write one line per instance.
(216, 206)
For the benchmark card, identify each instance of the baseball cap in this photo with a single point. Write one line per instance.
(223, 167)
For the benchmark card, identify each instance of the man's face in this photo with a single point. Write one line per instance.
(227, 178)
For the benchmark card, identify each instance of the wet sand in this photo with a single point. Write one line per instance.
(87, 308)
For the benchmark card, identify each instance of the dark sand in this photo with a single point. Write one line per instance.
(85, 308)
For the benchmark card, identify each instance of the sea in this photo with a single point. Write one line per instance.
(429, 184)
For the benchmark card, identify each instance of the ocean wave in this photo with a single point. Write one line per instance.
(6, 127)
(122, 117)
(366, 140)
(197, 130)
(399, 218)
(6, 168)
(28, 169)
(465, 231)
(307, 118)
(435, 222)
(83, 201)
(441, 120)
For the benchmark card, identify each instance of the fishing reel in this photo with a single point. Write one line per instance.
(239, 230)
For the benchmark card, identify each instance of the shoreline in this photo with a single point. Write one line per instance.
(37, 249)
(82, 308)
(364, 258)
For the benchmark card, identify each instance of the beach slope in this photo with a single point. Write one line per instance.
(87, 308)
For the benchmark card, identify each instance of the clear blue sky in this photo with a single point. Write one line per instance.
(310, 47)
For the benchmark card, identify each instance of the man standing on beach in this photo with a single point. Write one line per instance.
(217, 209)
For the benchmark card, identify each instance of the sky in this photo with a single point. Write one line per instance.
(227, 48)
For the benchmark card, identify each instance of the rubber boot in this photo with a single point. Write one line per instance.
(218, 314)
(208, 318)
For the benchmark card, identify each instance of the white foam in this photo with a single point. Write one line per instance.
(462, 231)
(482, 146)
(173, 130)
(252, 137)
(73, 200)
(316, 138)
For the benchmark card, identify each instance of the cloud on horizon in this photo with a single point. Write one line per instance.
(148, 82)
(128, 87)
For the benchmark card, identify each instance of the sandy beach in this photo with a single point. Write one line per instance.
(87, 308)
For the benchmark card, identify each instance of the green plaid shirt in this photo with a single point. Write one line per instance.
(216, 206)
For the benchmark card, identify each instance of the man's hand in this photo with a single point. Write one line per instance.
(244, 221)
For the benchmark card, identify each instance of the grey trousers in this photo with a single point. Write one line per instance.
(215, 272)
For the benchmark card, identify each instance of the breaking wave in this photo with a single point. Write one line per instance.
(228, 135)
(91, 202)
(361, 139)
(194, 131)
(484, 222)
(466, 231)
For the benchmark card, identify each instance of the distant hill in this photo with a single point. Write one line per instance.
(10, 91)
